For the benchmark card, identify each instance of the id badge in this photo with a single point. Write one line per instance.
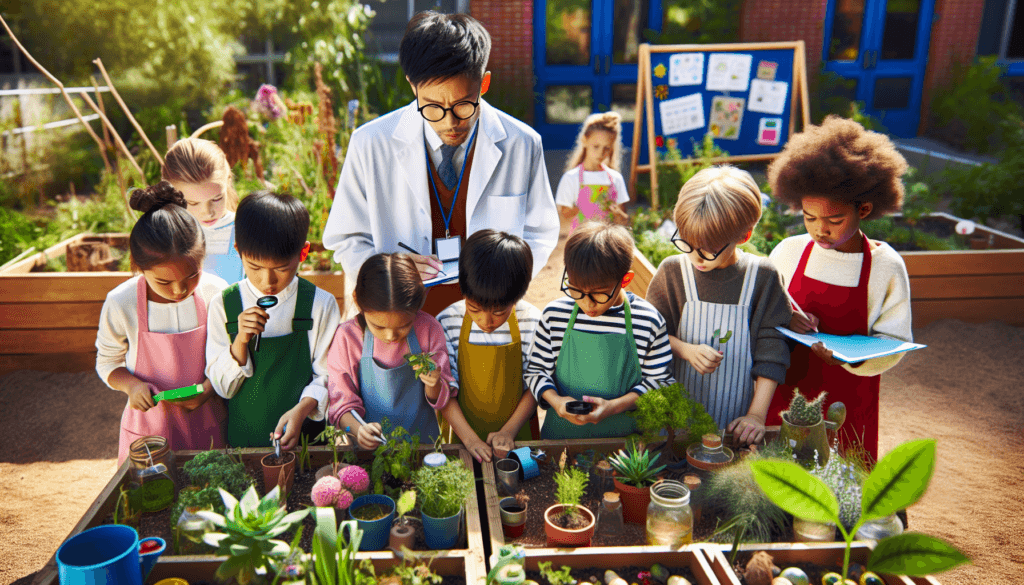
(448, 249)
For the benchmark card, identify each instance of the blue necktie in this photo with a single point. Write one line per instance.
(447, 169)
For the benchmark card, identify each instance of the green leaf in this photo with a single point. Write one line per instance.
(326, 570)
(249, 503)
(796, 491)
(915, 555)
(899, 479)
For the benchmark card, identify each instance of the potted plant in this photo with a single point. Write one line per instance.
(247, 531)
(669, 409)
(374, 514)
(334, 559)
(803, 428)
(393, 460)
(330, 436)
(403, 535)
(635, 474)
(278, 471)
(513, 514)
(567, 523)
(442, 491)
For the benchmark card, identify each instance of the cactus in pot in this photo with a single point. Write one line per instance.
(803, 429)
(804, 413)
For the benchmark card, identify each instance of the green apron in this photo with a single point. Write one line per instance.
(605, 365)
(282, 368)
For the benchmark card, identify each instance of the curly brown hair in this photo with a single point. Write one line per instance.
(842, 161)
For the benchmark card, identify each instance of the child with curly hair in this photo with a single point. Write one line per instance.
(840, 174)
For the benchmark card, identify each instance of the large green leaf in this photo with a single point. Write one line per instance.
(914, 554)
(899, 479)
(323, 561)
(796, 491)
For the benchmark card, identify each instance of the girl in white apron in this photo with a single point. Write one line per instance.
(592, 187)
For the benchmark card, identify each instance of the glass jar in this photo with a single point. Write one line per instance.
(604, 474)
(669, 517)
(151, 467)
(610, 525)
(810, 531)
(880, 528)
(708, 455)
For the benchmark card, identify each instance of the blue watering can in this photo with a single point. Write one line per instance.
(106, 555)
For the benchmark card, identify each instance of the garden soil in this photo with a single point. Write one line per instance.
(58, 445)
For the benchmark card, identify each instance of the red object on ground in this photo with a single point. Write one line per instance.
(148, 546)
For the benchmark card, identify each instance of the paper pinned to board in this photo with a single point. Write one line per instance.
(729, 71)
(686, 69)
(682, 114)
(768, 97)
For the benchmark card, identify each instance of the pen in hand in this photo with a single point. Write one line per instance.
(798, 309)
(401, 245)
(360, 420)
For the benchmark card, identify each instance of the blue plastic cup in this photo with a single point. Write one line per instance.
(375, 532)
(106, 555)
(441, 533)
(528, 467)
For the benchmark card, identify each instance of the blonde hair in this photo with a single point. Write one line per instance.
(717, 207)
(608, 122)
(192, 161)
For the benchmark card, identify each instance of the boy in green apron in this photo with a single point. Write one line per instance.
(489, 335)
(601, 345)
(269, 334)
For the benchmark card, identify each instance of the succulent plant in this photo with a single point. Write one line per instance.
(804, 413)
(636, 466)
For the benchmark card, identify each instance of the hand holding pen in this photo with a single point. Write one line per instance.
(428, 266)
(801, 321)
(369, 435)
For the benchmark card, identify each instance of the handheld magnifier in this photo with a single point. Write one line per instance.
(264, 303)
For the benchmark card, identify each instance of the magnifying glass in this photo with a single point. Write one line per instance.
(264, 303)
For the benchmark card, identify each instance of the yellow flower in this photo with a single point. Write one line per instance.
(660, 70)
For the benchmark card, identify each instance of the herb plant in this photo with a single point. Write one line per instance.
(442, 490)
(746, 511)
(667, 410)
(330, 436)
(635, 466)
(218, 469)
(722, 339)
(559, 577)
(403, 505)
(422, 363)
(570, 483)
(393, 460)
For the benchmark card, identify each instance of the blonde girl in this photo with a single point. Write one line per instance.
(199, 169)
(592, 187)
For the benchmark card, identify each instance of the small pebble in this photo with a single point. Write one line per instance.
(870, 578)
(796, 576)
(781, 581)
(831, 579)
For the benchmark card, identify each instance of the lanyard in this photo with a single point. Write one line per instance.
(448, 217)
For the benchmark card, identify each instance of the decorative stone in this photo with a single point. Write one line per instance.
(796, 576)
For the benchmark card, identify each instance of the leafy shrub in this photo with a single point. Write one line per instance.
(442, 490)
(975, 109)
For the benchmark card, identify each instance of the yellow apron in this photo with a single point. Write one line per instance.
(490, 384)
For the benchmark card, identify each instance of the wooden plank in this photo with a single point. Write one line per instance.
(332, 282)
(50, 315)
(47, 341)
(644, 272)
(39, 259)
(48, 362)
(55, 287)
(1009, 311)
(964, 262)
(967, 287)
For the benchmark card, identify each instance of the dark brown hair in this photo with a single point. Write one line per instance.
(166, 231)
(841, 161)
(598, 255)
(389, 282)
(495, 269)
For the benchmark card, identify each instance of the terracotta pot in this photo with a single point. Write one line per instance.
(634, 502)
(283, 474)
(561, 537)
(401, 535)
(808, 439)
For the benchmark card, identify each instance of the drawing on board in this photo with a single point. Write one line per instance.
(769, 131)
(726, 117)
(766, 70)
(686, 69)
(729, 71)
(768, 97)
(682, 114)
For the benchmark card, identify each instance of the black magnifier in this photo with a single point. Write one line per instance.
(264, 303)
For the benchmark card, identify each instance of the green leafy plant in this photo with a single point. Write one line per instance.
(404, 504)
(897, 481)
(124, 512)
(669, 409)
(218, 469)
(559, 577)
(330, 435)
(304, 462)
(802, 412)
(422, 363)
(976, 110)
(393, 460)
(655, 246)
(248, 528)
(635, 466)
(570, 485)
(845, 478)
(334, 557)
(722, 339)
(747, 514)
(442, 490)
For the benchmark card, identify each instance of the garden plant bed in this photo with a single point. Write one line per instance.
(467, 562)
(690, 561)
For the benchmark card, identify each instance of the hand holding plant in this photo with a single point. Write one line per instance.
(422, 363)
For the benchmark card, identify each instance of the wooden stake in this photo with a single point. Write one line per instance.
(113, 131)
(172, 135)
(131, 118)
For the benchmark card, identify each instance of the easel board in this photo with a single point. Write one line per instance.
(748, 95)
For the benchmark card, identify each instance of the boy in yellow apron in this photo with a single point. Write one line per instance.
(489, 335)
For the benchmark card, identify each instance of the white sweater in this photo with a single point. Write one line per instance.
(117, 340)
(888, 288)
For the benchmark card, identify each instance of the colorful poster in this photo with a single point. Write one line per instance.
(769, 131)
(768, 97)
(686, 69)
(682, 114)
(766, 70)
(729, 72)
(726, 117)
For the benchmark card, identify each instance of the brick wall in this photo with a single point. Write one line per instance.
(787, 20)
(954, 40)
(510, 23)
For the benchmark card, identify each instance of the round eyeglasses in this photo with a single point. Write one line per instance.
(460, 111)
(576, 294)
(686, 248)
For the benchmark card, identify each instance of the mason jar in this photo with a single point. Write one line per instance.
(152, 470)
(669, 517)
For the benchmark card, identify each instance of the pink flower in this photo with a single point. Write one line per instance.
(344, 500)
(645, 578)
(325, 491)
(354, 478)
(268, 103)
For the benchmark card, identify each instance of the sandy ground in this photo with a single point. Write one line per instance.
(58, 445)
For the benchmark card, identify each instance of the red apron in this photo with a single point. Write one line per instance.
(169, 361)
(842, 310)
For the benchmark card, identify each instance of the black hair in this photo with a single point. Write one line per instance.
(270, 226)
(495, 269)
(387, 283)
(166, 230)
(437, 47)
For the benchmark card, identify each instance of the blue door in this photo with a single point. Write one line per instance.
(881, 45)
(585, 57)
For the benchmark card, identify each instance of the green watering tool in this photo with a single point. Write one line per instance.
(179, 393)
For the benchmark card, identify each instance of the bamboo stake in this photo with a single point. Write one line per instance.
(117, 137)
(99, 102)
(60, 85)
(131, 118)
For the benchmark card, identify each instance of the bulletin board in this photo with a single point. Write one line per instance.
(748, 95)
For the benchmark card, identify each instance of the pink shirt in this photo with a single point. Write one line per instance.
(347, 349)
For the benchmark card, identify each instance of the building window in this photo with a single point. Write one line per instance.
(1002, 30)
(387, 28)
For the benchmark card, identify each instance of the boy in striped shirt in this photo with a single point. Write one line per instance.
(596, 351)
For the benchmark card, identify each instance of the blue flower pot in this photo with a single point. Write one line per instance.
(375, 532)
(442, 533)
(106, 555)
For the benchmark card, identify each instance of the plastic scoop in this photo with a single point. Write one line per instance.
(178, 393)
(264, 303)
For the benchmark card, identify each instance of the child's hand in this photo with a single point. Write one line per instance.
(480, 450)
(140, 396)
(568, 212)
(825, 354)
(293, 418)
(501, 442)
(801, 325)
(367, 435)
(704, 358)
(600, 411)
(196, 401)
(619, 215)
(430, 379)
(559, 407)
(251, 322)
(747, 429)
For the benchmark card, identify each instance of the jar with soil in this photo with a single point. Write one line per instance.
(152, 473)
(669, 517)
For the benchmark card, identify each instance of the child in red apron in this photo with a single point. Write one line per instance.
(370, 378)
(592, 187)
(152, 330)
(840, 174)
(489, 335)
(723, 304)
(269, 333)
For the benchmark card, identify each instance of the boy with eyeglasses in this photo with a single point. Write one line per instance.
(722, 304)
(601, 346)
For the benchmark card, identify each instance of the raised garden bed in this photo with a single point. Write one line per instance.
(467, 562)
(690, 561)
(49, 320)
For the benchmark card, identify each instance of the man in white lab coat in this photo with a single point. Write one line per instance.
(443, 167)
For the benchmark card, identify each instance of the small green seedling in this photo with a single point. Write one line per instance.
(722, 339)
(422, 363)
(560, 577)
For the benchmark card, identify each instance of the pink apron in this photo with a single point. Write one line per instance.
(169, 361)
(590, 202)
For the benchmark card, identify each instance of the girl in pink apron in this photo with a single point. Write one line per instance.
(152, 333)
(839, 174)
(592, 188)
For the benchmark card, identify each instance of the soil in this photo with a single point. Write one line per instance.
(371, 512)
(592, 575)
(274, 461)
